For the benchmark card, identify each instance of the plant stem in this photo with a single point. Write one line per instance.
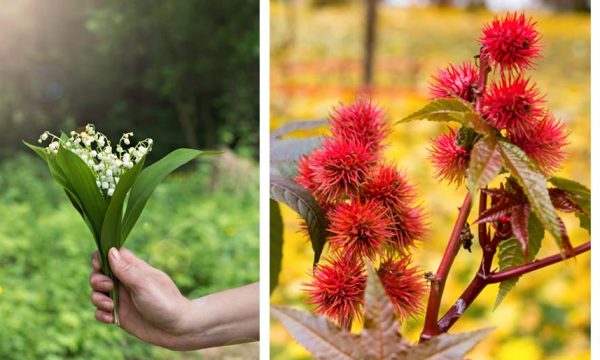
(484, 69)
(115, 297)
(481, 280)
(439, 280)
(535, 265)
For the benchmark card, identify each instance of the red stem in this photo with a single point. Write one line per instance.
(535, 265)
(481, 280)
(439, 280)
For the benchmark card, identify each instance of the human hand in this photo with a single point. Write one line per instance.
(151, 307)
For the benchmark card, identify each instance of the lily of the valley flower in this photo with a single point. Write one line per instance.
(96, 151)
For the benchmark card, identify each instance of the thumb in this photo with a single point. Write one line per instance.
(126, 271)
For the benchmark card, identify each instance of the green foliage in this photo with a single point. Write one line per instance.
(534, 186)
(582, 196)
(444, 110)
(510, 254)
(484, 165)
(275, 243)
(304, 204)
(205, 240)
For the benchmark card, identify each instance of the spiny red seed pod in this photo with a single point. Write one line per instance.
(337, 289)
(544, 143)
(306, 174)
(454, 81)
(512, 104)
(389, 187)
(361, 121)
(512, 42)
(404, 286)
(360, 229)
(450, 159)
(340, 167)
(409, 227)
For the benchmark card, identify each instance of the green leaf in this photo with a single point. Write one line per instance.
(485, 164)
(275, 243)
(536, 234)
(112, 234)
(443, 110)
(149, 179)
(58, 175)
(534, 185)
(573, 187)
(582, 197)
(84, 188)
(509, 256)
(304, 204)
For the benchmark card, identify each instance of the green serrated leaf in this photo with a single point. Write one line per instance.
(443, 110)
(536, 234)
(534, 185)
(509, 256)
(582, 197)
(275, 243)
(485, 164)
(304, 204)
(149, 179)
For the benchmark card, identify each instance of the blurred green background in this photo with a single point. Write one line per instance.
(317, 58)
(183, 73)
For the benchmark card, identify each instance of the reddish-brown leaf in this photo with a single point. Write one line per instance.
(561, 199)
(519, 221)
(565, 236)
(495, 212)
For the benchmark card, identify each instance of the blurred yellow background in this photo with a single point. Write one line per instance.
(316, 62)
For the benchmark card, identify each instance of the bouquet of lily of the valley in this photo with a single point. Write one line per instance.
(107, 185)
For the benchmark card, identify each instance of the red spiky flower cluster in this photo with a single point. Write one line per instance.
(337, 289)
(450, 159)
(511, 103)
(512, 42)
(454, 81)
(371, 211)
(403, 284)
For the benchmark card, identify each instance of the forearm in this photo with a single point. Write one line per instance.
(224, 318)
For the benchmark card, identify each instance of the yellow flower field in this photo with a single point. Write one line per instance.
(316, 62)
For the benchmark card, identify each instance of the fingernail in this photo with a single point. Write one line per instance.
(114, 254)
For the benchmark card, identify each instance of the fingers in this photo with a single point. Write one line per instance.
(131, 258)
(102, 302)
(128, 272)
(104, 317)
(96, 265)
(100, 282)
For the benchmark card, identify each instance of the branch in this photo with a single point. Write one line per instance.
(439, 280)
(481, 280)
(535, 265)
